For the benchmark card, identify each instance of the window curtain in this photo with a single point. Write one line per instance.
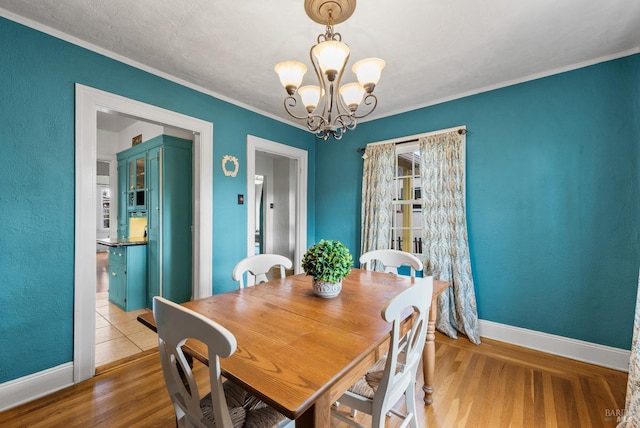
(377, 186)
(444, 232)
(631, 416)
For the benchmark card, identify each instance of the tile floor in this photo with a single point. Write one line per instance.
(118, 333)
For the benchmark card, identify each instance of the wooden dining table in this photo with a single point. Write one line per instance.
(299, 352)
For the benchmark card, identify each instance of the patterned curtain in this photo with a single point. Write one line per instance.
(631, 416)
(444, 232)
(377, 185)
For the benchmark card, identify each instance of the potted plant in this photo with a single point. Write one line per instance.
(328, 262)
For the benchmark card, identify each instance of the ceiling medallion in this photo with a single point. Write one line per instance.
(331, 109)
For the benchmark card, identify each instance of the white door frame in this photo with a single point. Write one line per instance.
(88, 102)
(259, 144)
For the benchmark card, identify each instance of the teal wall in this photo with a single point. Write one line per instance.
(37, 77)
(552, 191)
(552, 197)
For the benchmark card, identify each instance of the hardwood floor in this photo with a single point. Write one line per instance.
(489, 385)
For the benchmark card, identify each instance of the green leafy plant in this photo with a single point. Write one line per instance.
(328, 261)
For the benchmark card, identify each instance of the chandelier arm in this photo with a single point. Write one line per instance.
(290, 102)
(368, 100)
(349, 121)
(316, 123)
(335, 99)
(321, 83)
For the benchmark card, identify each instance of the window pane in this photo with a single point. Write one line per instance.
(406, 232)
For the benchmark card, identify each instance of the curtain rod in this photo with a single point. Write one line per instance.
(461, 131)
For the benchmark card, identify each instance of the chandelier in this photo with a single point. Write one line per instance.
(331, 109)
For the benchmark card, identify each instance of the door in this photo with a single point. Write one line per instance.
(275, 217)
(281, 226)
(123, 217)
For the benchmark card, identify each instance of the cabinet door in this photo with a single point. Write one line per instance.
(140, 189)
(137, 197)
(122, 199)
(117, 276)
(153, 184)
(176, 224)
(153, 268)
(136, 274)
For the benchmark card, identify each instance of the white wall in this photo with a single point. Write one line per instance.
(107, 143)
(147, 130)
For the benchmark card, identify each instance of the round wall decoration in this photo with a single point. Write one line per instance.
(225, 160)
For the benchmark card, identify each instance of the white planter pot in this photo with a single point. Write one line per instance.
(326, 289)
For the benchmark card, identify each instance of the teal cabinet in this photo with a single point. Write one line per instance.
(128, 276)
(166, 199)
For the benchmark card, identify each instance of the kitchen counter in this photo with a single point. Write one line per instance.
(122, 242)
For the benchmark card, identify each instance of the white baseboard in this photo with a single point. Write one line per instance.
(28, 388)
(593, 353)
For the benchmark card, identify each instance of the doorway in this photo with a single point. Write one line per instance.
(118, 334)
(276, 199)
(88, 102)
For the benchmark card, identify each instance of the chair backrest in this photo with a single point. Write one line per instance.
(258, 266)
(175, 325)
(405, 350)
(392, 260)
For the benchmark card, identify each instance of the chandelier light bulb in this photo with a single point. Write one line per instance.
(368, 72)
(352, 94)
(291, 74)
(310, 95)
(331, 56)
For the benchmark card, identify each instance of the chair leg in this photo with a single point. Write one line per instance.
(410, 400)
(345, 419)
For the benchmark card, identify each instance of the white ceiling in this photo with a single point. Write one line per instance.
(435, 50)
(113, 122)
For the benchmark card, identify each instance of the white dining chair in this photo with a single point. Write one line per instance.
(392, 260)
(227, 405)
(258, 266)
(394, 375)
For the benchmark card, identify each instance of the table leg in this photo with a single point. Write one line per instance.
(318, 415)
(429, 354)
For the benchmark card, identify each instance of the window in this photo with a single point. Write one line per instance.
(104, 212)
(406, 225)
